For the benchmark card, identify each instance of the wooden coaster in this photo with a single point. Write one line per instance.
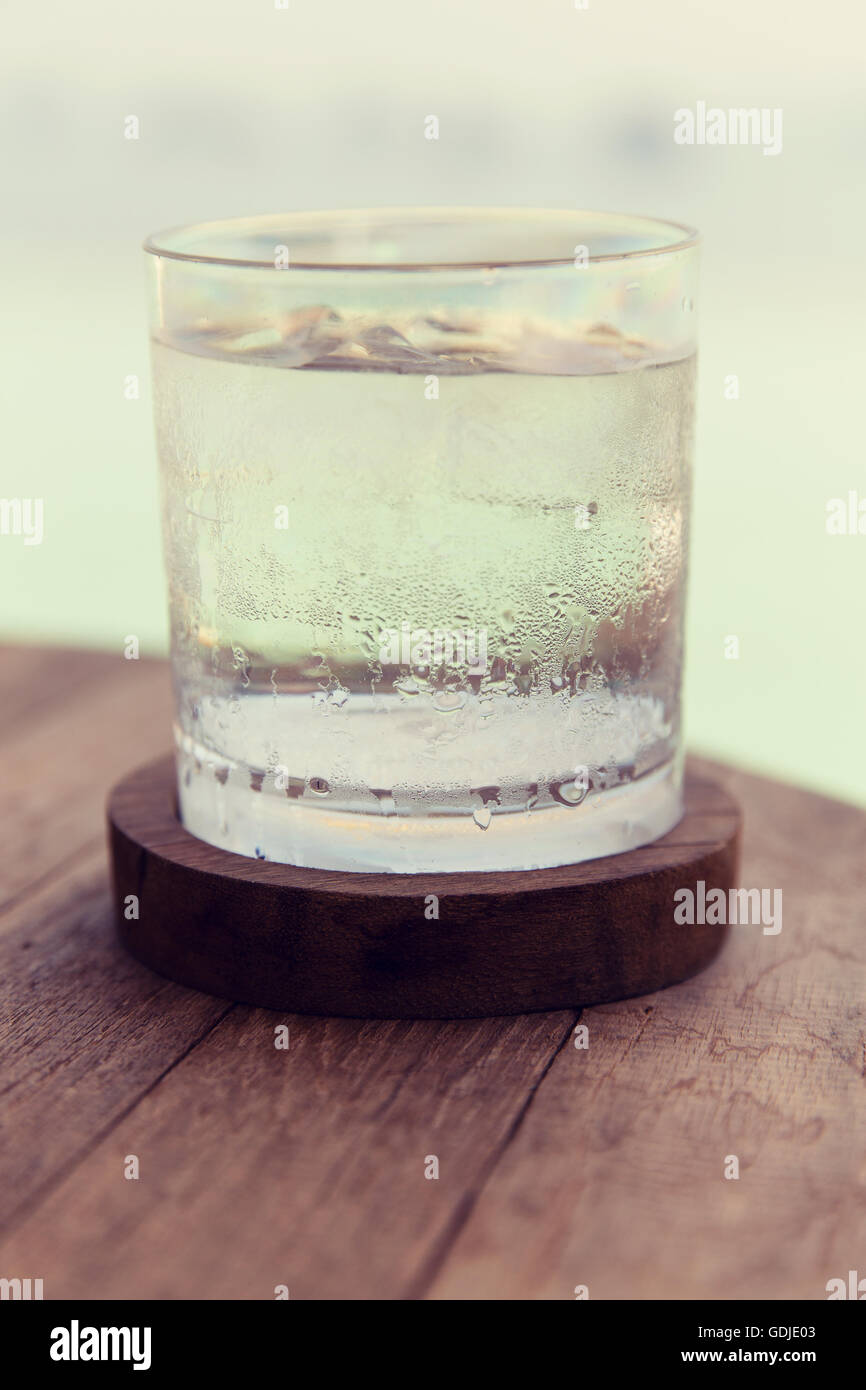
(368, 945)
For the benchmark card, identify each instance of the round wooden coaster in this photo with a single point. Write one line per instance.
(373, 946)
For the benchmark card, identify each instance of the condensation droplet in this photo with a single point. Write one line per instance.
(569, 793)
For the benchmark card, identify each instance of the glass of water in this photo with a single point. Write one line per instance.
(425, 478)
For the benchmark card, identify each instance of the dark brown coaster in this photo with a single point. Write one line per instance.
(367, 945)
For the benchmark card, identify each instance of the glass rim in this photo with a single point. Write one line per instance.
(673, 237)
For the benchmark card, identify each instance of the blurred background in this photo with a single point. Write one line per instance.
(253, 107)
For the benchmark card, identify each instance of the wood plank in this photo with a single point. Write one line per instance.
(100, 1061)
(306, 1167)
(59, 764)
(33, 678)
(303, 1167)
(85, 1031)
(761, 1057)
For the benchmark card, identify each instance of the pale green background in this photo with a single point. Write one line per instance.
(248, 108)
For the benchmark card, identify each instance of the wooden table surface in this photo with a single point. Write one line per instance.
(305, 1167)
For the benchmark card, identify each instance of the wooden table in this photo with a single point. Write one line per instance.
(305, 1167)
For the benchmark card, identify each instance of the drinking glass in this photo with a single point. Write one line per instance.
(425, 479)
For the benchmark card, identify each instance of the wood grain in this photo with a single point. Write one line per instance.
(306, 1167)
(78, 733)
(763, 1057)
(84, 1031)
(364, 946)
(302, 1167)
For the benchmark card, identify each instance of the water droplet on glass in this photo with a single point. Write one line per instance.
(241, 662)
(569, 793)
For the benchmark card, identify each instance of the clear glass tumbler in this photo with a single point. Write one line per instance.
(426, 480)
